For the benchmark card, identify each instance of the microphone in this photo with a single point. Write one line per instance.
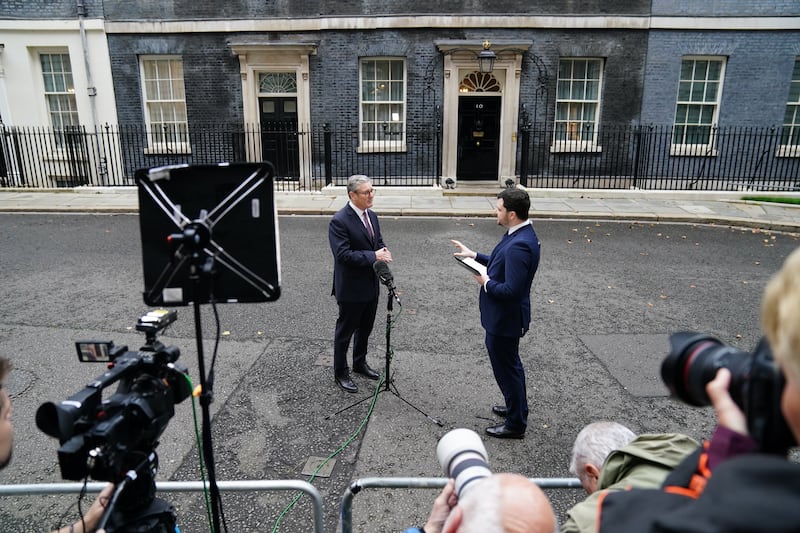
(386, 277)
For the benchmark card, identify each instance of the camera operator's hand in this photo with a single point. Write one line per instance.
(93, 514)
(442, 506)
(728, 413)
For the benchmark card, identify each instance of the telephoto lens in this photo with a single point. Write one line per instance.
(463, 457)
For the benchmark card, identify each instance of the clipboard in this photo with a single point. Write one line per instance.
(472, 265)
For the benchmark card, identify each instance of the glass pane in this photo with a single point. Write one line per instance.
(562, 111)
(707, 114)
(592, 90)
(381, 70)
(397, 70)
(268, 106)
(564, 69)
(368, 113)
(794, 92)
(680, 114)
(714, 70)
(693, 117)
(579, 69)
(383, 114)
(711, 91)
(796, 71)
(367, 70)
(589, 112)
(700, 70)
(677, 136)
(698, 92)
(687, 67)
(684, 91)
(290, 106)
(579, 90)
(563, 90)
(396, 91)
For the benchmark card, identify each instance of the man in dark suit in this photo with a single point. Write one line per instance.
(356, 242)
(505, 305)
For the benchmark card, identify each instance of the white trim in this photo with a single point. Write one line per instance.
(277, 24)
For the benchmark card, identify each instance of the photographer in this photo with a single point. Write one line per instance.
(748, 491)
(91, 518)
(501, 503)
(609, 457)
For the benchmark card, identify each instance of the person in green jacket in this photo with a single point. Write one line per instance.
(608, 456)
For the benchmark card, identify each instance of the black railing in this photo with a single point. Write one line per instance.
(614, 157)
(621, 157)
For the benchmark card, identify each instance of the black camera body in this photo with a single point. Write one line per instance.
(756, 383)
(105, 438)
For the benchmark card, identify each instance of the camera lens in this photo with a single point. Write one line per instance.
(694, 360)
(463, 457)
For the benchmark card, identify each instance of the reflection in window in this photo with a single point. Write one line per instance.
(59, 93)
(382, 98)
(164, 103)
(578, 99)
(790, 135)
(699, 90)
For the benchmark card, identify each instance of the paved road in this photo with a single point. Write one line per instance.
(605, 299)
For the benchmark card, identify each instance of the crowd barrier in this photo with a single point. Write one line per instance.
(277, 485)
(423, 483)
(180, 486)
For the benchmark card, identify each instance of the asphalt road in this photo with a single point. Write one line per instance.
(604, 301)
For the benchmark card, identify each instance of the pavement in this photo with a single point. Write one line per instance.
(699, 207)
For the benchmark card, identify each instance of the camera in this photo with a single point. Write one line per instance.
(756, 383)
(463, 457)
(114, 439)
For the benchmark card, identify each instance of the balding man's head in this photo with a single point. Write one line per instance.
(502, 503)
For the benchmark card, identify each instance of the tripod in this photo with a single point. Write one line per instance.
(388, 384)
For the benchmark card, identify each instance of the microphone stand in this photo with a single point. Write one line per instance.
(389, 382)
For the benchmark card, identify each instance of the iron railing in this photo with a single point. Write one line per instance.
(309, 157)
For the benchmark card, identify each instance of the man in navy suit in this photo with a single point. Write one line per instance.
(356, 242)
(505, 305)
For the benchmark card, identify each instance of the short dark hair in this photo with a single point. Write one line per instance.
(5, 368)
(516, 200)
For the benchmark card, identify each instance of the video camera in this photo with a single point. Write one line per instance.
(104, 439)
(756, 383)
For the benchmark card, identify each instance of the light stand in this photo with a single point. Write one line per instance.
(389, 380)
(210, 258)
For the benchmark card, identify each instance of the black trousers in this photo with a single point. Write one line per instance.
(355, 322)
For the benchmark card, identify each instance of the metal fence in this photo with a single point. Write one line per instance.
(309, 157)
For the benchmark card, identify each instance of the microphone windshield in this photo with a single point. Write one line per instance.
(382, 270)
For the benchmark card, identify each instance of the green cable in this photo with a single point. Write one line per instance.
(348, 441)
(200, 453)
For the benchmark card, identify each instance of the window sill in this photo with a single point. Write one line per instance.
(167, 150)
(377, 148)
(575, 147)
(692, 150)
(788, 150)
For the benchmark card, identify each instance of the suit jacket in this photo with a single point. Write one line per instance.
(506, 303)
(354, 278)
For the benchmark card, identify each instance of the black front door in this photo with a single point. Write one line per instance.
(279, 135)
(478, 137)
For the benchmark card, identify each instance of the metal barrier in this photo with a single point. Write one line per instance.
(179, 486)
(423, 483)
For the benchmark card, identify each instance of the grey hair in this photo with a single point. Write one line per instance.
(356, 180)
(595, 442)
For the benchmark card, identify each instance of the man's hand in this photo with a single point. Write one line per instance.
(728, 413)
(463, 251)
(442, 506)
(383, 255)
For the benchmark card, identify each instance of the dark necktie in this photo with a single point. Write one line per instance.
(367, 224)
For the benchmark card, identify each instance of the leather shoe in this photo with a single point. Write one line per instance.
(366, 371)
(502, 432)
(346, 383)
(500, 410)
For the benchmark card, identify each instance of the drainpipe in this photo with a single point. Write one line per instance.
(102, 169)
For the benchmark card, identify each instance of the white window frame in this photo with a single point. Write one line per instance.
(174, 94)
(60, 102)
(577, 101)
(397, 119)
(791, 119)
(707, 148)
